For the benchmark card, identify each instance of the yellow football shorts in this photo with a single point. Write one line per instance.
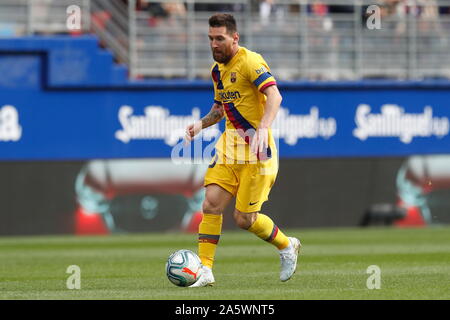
(249, 182)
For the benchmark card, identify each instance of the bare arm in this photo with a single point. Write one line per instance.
(260, 142)
(272, 106)
(214, 115)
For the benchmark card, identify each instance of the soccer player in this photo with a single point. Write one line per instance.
(245, 164)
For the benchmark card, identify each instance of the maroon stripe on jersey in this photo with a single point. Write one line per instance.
(242, 125)
(236, 118)
(216, 77)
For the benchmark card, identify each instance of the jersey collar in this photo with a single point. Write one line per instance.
(234, 59)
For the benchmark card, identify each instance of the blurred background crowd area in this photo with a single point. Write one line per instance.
(276, 8)
(300, 39)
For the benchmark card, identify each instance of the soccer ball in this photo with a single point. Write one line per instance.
(183, 268)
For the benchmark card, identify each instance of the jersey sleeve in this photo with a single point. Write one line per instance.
(216, 95)
(259, 72)
(215, 77)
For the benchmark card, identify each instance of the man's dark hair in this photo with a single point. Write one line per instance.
(223, 20)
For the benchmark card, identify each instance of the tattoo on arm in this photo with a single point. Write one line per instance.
(215, 115)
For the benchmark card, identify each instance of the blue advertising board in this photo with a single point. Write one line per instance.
(65, 100)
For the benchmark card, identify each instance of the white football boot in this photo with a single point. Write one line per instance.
(206, 278)
(288, 257)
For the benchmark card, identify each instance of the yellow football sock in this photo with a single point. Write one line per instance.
(209, 232)
(265, 229)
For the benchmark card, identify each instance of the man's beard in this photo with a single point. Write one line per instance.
(221, 57)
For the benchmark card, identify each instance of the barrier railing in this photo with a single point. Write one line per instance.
(300, 39)
(303, 39)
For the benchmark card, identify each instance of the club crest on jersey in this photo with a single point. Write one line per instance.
(233, 77)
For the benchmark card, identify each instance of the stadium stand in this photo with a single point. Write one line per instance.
(301, 39)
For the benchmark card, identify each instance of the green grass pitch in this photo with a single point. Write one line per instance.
(414, 264)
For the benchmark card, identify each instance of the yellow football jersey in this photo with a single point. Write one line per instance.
(239, 86)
